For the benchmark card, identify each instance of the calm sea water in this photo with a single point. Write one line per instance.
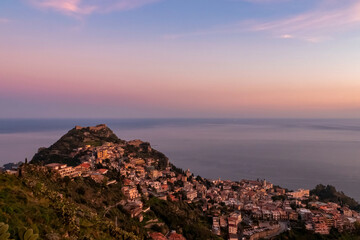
(288, 152)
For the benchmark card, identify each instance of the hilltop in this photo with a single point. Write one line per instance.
(63, 150)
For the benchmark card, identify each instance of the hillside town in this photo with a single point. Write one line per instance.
(243, 209)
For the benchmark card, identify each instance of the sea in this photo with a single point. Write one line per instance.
(292, 153)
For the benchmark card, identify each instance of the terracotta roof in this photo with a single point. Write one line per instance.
(157, 236)
(176, 236)
(85, 165)
(102, 171)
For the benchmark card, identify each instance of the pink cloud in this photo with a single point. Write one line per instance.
(86, 7)
(286, 36)
(65, 6)
(316, 24)
(321, 23)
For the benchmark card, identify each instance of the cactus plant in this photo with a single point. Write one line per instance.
(4, 234)
(27, 234)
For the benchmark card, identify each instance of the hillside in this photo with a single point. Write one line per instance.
(330, 194)
(58, 208)
(51, 207)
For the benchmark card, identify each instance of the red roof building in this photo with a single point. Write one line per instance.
(176, 236)
(157, 236)
(102, 171)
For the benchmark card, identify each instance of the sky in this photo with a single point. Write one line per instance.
(179, 58)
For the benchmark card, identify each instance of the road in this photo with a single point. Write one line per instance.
(283, 228)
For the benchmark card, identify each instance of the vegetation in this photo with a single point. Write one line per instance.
(278, 198)
(182, 217)
(329, 194)
(27, 234)
(143, 152)
(4, 234)
(56, 208)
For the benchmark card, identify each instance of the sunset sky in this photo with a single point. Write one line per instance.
(179, 58)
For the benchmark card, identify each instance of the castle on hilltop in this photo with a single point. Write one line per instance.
(96, 128)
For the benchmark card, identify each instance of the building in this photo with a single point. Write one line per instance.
(84, 167)
(157, 236)
(233, 221)
(301, 193)
(130, 192)
(102, 171)
(101, 155)
(175, 236)
(155, 174)
(191, 195)
(97, 177)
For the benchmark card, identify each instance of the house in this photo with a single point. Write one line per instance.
(11, 172)
(276, 215)
(97, 177)
(164, 187)
(101, 155)
(66, 171)
(301, 193)
(130, 192)
(346, 212)
(155, 174)
(233, 221)
(156, 185)
(175, 236)
(281, 191)
(293, 216)
(305, 214)
(134, 209)
(84, 167)
(173, 198)
(102, 171)
(191, 195)
(223, 222)
(321, 228)
(157, 236)
(216, 226)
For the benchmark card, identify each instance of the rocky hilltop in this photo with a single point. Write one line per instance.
(79, 137)
(95, 145)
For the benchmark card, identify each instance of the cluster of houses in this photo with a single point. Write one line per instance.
(321, 217)
(84, 170)
(249, 204)
(239, 209)
(171, 236)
